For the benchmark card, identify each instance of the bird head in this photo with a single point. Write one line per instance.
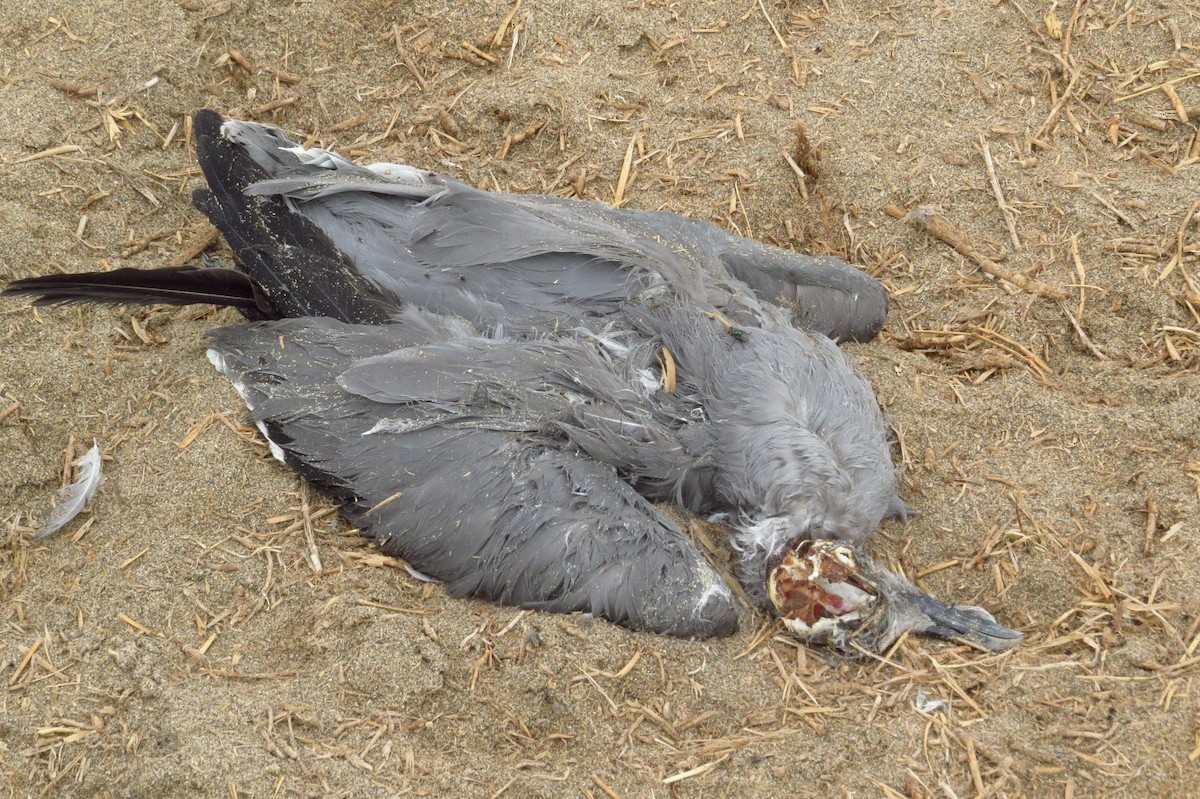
(818, 590)
(832, 592)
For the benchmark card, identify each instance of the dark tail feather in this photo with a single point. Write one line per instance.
(183, 285)
(287, 266)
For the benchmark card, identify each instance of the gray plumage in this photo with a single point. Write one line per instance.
(443, 452)
(533, 263)
(497, 386)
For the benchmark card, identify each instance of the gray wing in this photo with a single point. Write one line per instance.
(495, 260)
(822, 294)
(825, 295)
(538, 263)
(610, 407)
(455, 477)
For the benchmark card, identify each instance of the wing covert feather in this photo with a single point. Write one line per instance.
(513, 516)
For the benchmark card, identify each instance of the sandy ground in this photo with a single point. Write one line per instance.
(176, 641)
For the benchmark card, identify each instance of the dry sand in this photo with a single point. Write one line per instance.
(175, 641)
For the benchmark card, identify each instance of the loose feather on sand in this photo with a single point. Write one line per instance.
(73, 498)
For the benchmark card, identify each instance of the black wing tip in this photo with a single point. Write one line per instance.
(48, 289)
(296, 269)
(186, 285)
(21, 287)
(45, 297)
(207, 122)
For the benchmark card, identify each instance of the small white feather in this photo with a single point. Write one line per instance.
(928, 705)
(401, 173)
(394, 426)
(422, 576)
(73, 498)
(276, 450)
(315, 156)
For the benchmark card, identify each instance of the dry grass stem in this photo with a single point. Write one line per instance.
(942, 229)
(1009, 217)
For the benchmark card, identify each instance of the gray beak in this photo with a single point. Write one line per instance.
(971, 624)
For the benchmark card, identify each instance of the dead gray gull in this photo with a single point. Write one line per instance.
(498, 388)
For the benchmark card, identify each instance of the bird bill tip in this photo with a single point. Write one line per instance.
(970, 624)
